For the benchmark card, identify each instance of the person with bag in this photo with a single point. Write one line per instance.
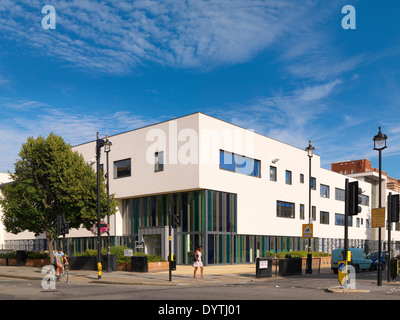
(197, 261)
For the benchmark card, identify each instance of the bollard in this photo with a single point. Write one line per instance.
(99, 269)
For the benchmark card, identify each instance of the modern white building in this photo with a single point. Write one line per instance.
(238, 193)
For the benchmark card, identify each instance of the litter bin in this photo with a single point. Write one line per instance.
(139, 264)
(291, 266)
(21, 257)
(263, 267)
(393, 268)
(109, 259)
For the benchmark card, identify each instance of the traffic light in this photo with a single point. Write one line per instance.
(62, 225)
(394, 207)
(59, 224)
(175, 220)
(354, 199)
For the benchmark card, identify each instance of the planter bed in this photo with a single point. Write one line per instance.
(37, 262)
(151, 266)
(8, 262)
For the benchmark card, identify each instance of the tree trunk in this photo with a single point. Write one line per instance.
(50, 246)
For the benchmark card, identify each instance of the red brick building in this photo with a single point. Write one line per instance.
(363, 165)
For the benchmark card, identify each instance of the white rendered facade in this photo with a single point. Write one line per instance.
(195, 183)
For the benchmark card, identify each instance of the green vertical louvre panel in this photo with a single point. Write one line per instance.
(136, 216)
(160, 210)
(130, 216)
(165, 211)
(202, 207)
(235, 213)
(196, 210)
(262, 253)
(214, 212)
(140, 213)
(144, 216)
(209, 210)
(190, 211)
(220, 250)
(242, 245)
(228, 249)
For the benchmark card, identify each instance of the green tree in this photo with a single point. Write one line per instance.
(51, 179)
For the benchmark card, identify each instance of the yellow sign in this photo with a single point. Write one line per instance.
(378, 218)
(307, 231)
(342, 271)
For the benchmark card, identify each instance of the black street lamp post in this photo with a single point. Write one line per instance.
(107, 149)
(380, 144)
(99, 145)
(310, 152)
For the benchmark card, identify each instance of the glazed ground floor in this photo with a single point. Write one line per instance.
(217, 248)
(206, 218)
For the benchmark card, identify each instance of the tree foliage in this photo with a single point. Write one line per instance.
(51, 179)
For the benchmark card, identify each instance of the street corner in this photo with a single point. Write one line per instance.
(340, 289)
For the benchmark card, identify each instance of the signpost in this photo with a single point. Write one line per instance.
(307, 231)
(378, 218)
(127, 253)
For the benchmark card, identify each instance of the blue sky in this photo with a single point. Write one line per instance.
(286, 69)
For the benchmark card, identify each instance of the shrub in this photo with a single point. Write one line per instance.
(37, 255)
(301, 254)
(119, 252)
(9, 255)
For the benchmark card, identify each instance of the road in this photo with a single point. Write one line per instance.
(287, 288)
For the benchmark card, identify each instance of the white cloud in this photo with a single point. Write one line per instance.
(75, 128)
(114, 37)
(289, 117)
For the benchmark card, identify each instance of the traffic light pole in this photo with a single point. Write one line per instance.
(169, 241)
(99, 145)
(379, 272)
(346, 220)
(389, 222)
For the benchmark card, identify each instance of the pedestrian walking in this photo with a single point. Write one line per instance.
(197, 261)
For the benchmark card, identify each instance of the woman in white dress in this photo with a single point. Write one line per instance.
(197, 261)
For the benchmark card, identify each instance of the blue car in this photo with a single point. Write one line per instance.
(374, 257)
(359, 260)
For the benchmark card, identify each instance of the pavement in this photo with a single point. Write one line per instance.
(183, 275)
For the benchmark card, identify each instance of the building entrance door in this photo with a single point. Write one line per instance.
(152, 243)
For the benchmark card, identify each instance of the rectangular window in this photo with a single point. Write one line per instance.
(364, 200)
(159, 161)
(288, 177)
(285, 209)
(122, 168)
(301, 178)
(339, 220)
(272, 173)
(302, 211)
(324, 191)
(324, 217)
(339, 194)
(313, 183)
(314, 213)
(240, 164)
(226, 161)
